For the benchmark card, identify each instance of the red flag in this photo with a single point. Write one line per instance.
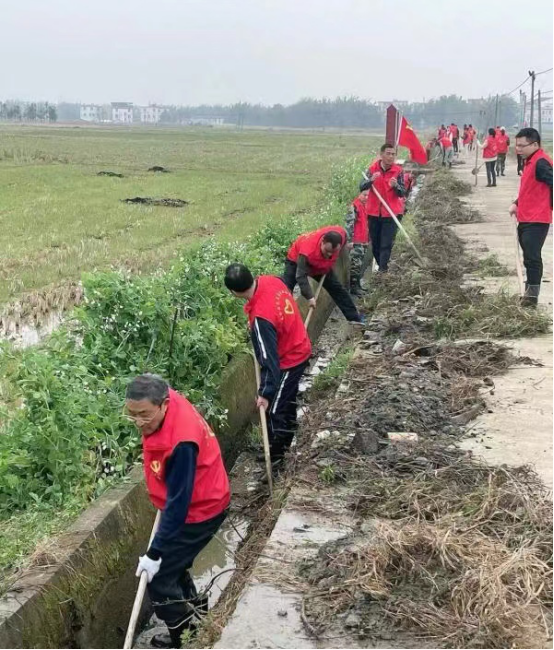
(408, 138)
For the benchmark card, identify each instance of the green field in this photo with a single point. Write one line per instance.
(58, 218)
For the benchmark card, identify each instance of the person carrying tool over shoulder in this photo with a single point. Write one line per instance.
(282, 347)
(502, 146)
(313, 255)
(388, 179)
(357, 230)
(533, 209)
(187, 481)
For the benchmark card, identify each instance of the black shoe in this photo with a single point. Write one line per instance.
(489, 185)
(529, 302)
(357, 290)
(503, 174)
(171, 639)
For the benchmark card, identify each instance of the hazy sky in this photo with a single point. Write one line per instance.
(221, 51)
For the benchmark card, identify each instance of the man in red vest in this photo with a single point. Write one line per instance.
(455, 131)
(388, 179)
(187, 481)
(502, 145)
(357, 230)
(313, 255)
(447, 151)
(282, 348)
(533, 209)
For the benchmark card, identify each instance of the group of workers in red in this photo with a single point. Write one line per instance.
(184, 470)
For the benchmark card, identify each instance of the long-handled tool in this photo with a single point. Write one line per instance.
(143, 581)
(400, 226)
(265, 434)
(519, 267)
(316, 296)
(475, 170)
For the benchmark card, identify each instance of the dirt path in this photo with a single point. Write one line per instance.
(518, 428)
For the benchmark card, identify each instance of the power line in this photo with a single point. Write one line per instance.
(518, 87)
(543, 72)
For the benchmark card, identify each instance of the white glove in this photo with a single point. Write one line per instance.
(150, 566)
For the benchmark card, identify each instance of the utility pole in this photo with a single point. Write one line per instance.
(524, 110)
(532, 75)
(539, 110)
(496, 112)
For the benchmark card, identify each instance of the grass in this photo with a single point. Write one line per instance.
(60, 219)
(490, 266)
(329, 378)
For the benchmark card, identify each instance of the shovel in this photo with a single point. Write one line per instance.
(400, 226)
(316, 296)
(475, 170)
(519, 268)
(143, 581)
(265, 434)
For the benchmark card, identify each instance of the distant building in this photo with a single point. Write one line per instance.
(151, 114)
(122, 112)
(546, 114)
(205, 121)
(90, 112)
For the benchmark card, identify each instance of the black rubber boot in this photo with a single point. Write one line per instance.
(531, 296)
(172, 638)
(356, 289)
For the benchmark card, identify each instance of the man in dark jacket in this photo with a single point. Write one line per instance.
(313, 255)
(282, 348)
(186, 480)
(533, 209)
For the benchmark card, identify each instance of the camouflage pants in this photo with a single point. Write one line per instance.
(358, 262)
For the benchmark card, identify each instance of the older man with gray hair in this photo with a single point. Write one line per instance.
(187, 481)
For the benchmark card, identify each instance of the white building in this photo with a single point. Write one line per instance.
(205, 121)
(151, 114)
(90, 112)
(122, 112)
(546, 113)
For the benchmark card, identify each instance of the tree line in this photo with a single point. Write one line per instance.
(342, 112)
(15, 111)
(353, 112)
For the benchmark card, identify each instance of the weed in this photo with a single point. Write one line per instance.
(490, 266)
(329, 378)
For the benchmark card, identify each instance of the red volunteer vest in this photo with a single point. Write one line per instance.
(183, 423)
(490, 148)
(446, 142)
(374, 207)
(360, 234)
(455, 131)
(441, 133)
(273, 302)
(309, 245)
(533, 202)
(465, 136)
(502, 143)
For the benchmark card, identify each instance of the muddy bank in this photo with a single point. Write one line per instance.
(391, 535)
